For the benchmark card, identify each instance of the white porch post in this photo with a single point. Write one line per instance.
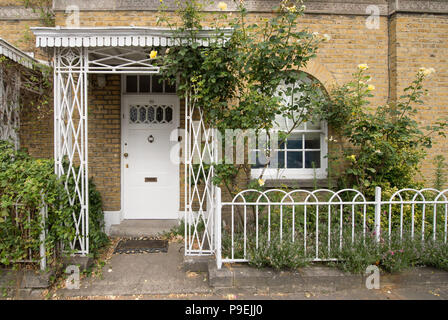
(199, 190)
(70, 136)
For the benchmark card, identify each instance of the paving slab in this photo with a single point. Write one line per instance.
(145, 273)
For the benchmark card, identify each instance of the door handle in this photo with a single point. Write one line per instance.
(151, 139)
(126, 155)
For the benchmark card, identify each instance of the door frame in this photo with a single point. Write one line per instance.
(124, 125)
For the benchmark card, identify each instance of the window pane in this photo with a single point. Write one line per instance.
(281, 160)
(312, 141)
(145, 83)
(159, 114)
(295, 141)
(281, 143)
(312, 157)
(151, 114)
(142, 114)
(156, 85)
(133, 114)
(131, 83)
(168, 114)
(295, 160)
(256, 155)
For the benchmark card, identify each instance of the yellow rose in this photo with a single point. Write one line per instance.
(327, 37)
(371, 87)
(222, 6)
(261, 182)
(363, 66)
(292, 9)
(427, 72)
(153, 54)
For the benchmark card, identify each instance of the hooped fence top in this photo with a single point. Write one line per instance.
(47, 37)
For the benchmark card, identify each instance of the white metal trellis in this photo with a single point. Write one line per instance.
(200, 198)
(10, 106)
(114, 60)
(70, 136)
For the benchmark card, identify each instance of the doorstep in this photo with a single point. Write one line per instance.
(142, 228)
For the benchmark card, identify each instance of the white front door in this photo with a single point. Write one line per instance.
(151, 179)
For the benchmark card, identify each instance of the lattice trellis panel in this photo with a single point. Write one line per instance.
(199, 190)
(70, 149)
(120, 60)
(10, 106)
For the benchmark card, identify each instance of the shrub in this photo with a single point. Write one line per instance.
(278, 254)
(392, 256)
(24, 183)
(386, 144)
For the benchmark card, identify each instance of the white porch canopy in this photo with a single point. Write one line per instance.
(16, 55)
(118, 37)
(78, 52)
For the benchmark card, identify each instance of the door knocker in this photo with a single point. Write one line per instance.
(151, 139)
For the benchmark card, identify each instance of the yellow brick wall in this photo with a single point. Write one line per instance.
(394, 52)
(36, 130)
(104, 124)
(17, 32)
(422, 41)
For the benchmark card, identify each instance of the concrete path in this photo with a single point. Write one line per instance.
(162, 276)
(129, 274)
(359, 294)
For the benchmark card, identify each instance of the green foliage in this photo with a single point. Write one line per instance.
(235, 79)
(97, 237)
(278, 255)
(24, 183)
(392, 256)
(387, 144)
(440, 175)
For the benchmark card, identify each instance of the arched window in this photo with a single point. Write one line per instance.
(303, 153)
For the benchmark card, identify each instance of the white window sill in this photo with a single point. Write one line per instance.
(288, 174)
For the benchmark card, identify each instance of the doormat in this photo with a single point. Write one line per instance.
(130, 246)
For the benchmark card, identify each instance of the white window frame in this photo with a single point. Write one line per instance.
(304, 173)
(138, 93)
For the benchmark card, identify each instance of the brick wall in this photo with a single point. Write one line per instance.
(36, 130)
(394, 52)
(104, 123)
(422, 41)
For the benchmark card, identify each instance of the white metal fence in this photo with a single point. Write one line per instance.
(23, 216)
(323, 221)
